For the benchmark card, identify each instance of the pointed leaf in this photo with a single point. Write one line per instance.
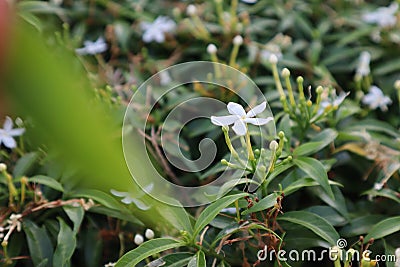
(47, 181)
(384, 228)
(66, 243)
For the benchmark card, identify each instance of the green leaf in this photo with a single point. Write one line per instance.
(147, 249)
(265, 203)
(212, 211)
(199, 260)
(384, 228)
(25, 164)
(75, 214)
(66, 243)
(360, 225)
(315, 223)
(177, 217)
(320, 141)
(387, 193)
(180, 259)
(39, 243)
(48, 181)
(315, 170)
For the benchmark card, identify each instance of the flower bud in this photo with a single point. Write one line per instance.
(319, 89)
(149, 234)
(238, 40)
(397, 84)
(138, 239)
(3, 167)
(273, 59)
(224, 162)
(191, 10)
(285, 73)
(273, 145)
(211, 49)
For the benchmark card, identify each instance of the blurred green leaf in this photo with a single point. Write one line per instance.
(319, 141)
(39, 244)
(316, 170)
(75, 214)
(384, 228)
(25, 164)
(48, 181)
(147, 249)
(315, 223)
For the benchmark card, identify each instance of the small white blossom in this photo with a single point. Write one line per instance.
(239, 118)
(211, 49)
(92, 48)
(383, 16)
(334, 101)
(110, 264)
(271, 52)
(156, 30)
(14, 222)
(138, 239)
(3, 167)
(375, 98)
(363, 64)
(7, 133)
(128, 197)
(378, 186)
(149, 234)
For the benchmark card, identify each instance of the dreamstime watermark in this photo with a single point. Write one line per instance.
(335, 253)
(207, 83)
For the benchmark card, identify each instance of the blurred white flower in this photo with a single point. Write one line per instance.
(363, 64)
(92, 48)
(129, 198)
(156, 30)
(378, 186)
(165, 78)
(110, 264)
(270, 52)
(229, 210)
(383, 16)
(249, 1)
(14, 222)
(334, 101)
(149, 234)
(375, 98)
(240, 118)
(3, 167)
(7, 134)
(138, 239)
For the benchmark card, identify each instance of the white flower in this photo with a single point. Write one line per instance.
(378, 186)
(149, 234)
(271, 55)
(7, 133)
(110, 264)
(363, 64)
(375, 98)
(156, 31)
(383, 16)
(335, 101)
(92, 48)
(273, 145)
(191, 10)
(239, 118)
(128, 197)
(14, 221)
(138, 239)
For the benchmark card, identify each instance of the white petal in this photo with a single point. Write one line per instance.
(140, 204)
(119, 193)
(256, 110)
(258, 121)
(236, 109)
(224, 120)
(8, 123)
(16, 132)
(239, 127)
(9, 142)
